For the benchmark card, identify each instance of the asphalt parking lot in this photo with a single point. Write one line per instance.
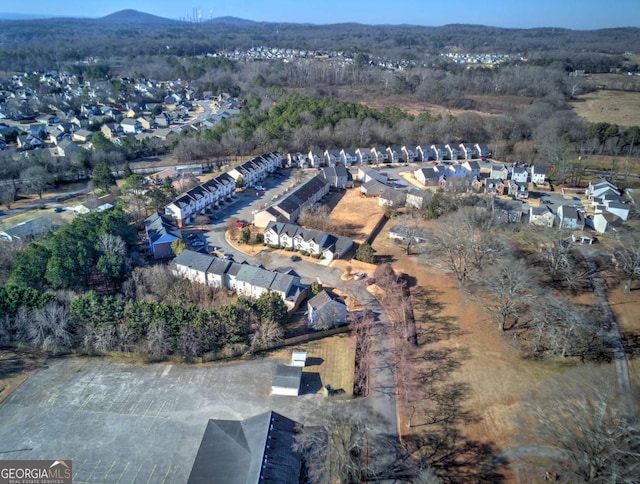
(122, 422)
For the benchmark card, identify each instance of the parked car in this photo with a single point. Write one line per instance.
(359, 275)
(58, 209)
(241, 223)
(228, 255)
(295, 258)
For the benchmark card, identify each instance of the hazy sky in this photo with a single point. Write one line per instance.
(574, 14)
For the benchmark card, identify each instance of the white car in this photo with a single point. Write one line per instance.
(359, 275)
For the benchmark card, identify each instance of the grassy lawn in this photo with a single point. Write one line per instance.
(332, 358)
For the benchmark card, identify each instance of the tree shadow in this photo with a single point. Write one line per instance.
(442, 445)
(631, 343)
(432, 325)
(384, 259)
(439, 364)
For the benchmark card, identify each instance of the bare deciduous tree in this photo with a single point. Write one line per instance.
(579, 419)
(626, 258)
(48, 328)
(505, 290)
(268, 333)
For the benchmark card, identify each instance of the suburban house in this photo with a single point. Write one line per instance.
(379, 155)
(417, 198)
(570, 218)
(519, 174)
(349, 157)
(373, 188)
(367, 174)
(424, 152)
(473, 169)
(399, 232)
(538, 174)
(495, 186)
(506, 211)
(66, 147)
(337, 176)
(499, 170)
(182, 209)
(394, 154)
(482, 150)
(314, 242)
(82, 136)
(454, 152)
(316, 158)
(392, 198)
(541, 216)
(112, 131)
(468, 151)
(289, 208)
(364, 156)
(245, 279)
(332, 157)
(161, 233)
(131, 126)
(518, 189)
(605, 222)
(438, 152)
(427, 176)
(257, 449)
(326, 310)
(410, 154)
(601, 187)
(616, 208)
(297, 160)
(456, 170)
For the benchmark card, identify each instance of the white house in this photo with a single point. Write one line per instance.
(538, 174)
(326, 310)
(570, 218)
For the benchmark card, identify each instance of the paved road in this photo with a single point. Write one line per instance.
(382, 397)
(56, 199)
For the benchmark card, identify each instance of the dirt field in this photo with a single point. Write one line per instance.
(626, 308)
(356, 214)
(331, 358)
(622, 108)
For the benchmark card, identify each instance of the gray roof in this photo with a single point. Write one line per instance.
(219, 266)
(194, 260)
(322, 298)
(303, 194)
(287, 377)
(158, 226)
(258, 449)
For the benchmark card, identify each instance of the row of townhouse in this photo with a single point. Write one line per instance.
(216, 191)
(392, 154)
(245, 279)
(288, 209)
(313, 242)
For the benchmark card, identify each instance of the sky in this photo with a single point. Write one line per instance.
(573, 14)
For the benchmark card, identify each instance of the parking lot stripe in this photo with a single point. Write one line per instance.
(109, 470)
(122, 473)
(151, 475)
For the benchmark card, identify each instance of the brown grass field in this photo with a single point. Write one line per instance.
(355, 214)
(619, 107)
(483, 359)
(333, 358)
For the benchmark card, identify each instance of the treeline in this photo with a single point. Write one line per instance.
(155, 330)
(93, 249)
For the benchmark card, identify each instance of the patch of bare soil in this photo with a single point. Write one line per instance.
(356, 215)
(15, 367)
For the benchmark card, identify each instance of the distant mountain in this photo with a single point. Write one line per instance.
(231, 20)
(24, 16)
(130, 16)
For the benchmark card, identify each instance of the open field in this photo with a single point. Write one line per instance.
(355, 214)
(619, 107)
